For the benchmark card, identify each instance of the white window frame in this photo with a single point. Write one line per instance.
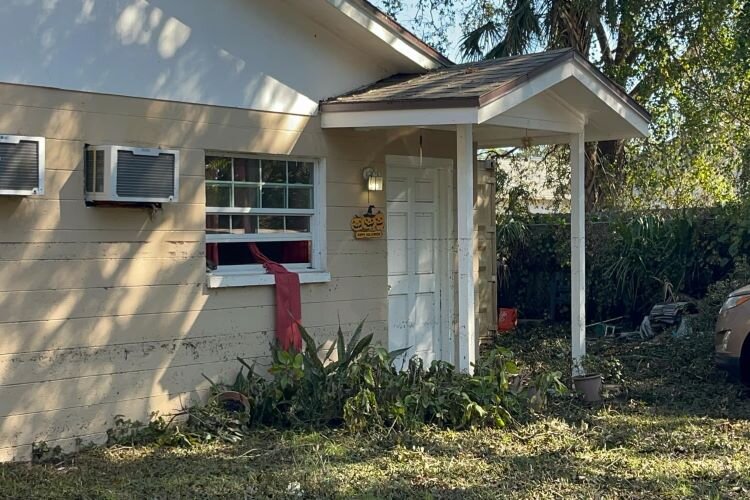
(255, 274)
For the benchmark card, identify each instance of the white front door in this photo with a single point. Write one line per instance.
(416, 261)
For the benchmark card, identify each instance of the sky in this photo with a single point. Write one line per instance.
(453, 51)
(406, 18)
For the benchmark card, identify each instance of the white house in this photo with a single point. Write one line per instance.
(139, 137)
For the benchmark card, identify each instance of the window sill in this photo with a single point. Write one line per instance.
(235, 279)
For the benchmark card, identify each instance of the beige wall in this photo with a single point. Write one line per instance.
(105, 311)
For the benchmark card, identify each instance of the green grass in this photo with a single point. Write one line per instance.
(676, 429)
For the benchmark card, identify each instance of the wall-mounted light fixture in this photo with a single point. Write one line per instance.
(374, 179)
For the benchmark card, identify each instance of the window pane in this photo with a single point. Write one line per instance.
(298, 224)
(271, 223)
(300, 197)
(246, 170)
(284, 252)
(216, 223)
(274, 171)
(218, 195)
(300, 172)
(274, 197)
(218, 168)
(246, 196)
(244, 224)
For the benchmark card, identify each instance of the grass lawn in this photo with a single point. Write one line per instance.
(676, 430)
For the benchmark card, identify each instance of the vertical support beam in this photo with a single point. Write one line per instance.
(465, 220)
(578, 250)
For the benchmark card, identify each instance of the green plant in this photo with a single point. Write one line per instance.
(609, 367)
(718, 292)
(356, 385)
(287, 368)
(634, 260)
(42, 453)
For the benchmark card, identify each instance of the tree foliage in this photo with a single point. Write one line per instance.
(686, 61)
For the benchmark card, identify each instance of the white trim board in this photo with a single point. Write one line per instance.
(248, 275)
(226, 280)
(384, 33)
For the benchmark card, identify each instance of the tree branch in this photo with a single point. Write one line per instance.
(603, 40)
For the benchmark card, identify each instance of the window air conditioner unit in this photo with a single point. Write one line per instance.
(131, 175)
(21, 165)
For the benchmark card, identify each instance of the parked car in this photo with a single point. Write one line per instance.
(732, 340)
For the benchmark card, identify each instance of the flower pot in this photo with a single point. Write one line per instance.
(589, 386)
(233, 401)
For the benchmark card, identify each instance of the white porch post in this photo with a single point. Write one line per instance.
(465, 219)
(577, 250)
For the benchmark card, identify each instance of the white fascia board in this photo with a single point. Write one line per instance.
(557, 74)
(398, 118)
(526, 91)
(615, 102)
(392, 38)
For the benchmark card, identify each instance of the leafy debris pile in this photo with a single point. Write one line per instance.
(357, 386)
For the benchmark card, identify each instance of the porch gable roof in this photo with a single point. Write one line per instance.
(479, 92)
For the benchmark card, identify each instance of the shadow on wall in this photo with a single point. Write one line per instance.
(105, 310)
(233, 54)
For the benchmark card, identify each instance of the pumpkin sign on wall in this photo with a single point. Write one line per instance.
(368, 225)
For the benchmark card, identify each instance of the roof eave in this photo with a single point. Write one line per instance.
(400, 104)
(488, 97)
(366, 8)
(613, 86)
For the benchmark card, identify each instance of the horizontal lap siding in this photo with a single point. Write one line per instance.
(53, 304)
(105, 310)
(68, 364)
(34, 336)
(68, 250)
(89, 423)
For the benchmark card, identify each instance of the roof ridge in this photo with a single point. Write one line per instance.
(564, 54)
(487, 62)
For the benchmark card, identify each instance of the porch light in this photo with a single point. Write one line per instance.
(374, 179)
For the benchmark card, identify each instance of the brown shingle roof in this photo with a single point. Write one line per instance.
(463, 85)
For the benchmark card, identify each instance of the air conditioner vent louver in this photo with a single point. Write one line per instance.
(145, 176)
(21, 165)
(131, 175)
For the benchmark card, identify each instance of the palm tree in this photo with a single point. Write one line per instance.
(527, 24)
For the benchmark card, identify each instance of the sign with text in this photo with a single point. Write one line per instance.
(368, 226)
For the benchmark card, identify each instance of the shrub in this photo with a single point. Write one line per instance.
(718, 292)
(362, 390)
(633, 260)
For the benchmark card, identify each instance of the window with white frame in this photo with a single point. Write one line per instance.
(272, 202)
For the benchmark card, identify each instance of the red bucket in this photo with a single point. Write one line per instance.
(507, 319)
